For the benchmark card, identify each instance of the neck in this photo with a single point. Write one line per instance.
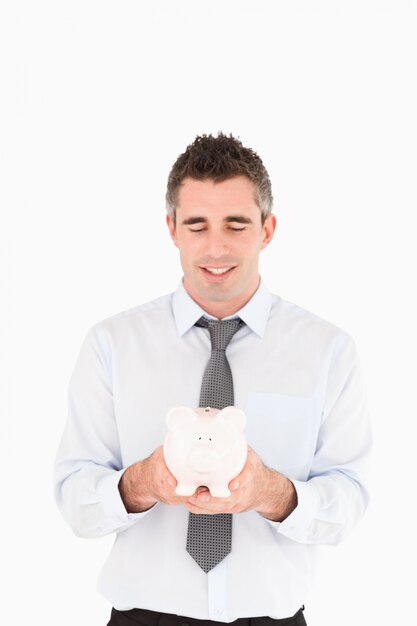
(222, 308)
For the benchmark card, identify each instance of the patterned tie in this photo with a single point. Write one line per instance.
(209, 537)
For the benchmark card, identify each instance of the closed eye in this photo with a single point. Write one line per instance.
(232, 228)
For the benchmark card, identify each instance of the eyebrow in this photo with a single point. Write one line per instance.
(240, 219)
(193, 220)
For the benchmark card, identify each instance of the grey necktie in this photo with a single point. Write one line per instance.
(209, 537)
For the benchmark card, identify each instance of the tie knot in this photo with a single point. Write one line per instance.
(221, 331)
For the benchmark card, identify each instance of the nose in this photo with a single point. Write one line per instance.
(216, 245)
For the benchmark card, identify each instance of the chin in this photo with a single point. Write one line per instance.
(218, 293)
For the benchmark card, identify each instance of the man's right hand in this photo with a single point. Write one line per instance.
(147, 482)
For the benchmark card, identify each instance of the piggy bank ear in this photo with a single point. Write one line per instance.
(232, 416)
(180, 416)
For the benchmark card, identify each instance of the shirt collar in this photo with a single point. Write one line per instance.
(255, 313)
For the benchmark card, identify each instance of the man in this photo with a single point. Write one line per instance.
(296, 377)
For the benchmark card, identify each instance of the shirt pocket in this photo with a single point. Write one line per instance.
(282, 430)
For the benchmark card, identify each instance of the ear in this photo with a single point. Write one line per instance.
(180, 416)
(232, 416)
(268, 229)
(172, 229)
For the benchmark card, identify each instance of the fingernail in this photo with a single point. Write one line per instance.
(171, 481)
(235, 486)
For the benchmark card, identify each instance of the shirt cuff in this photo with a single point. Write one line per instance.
(297, 524)
(112, 502)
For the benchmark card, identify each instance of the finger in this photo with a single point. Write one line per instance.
(170, 479)
(241, 479)
(234, 484)
(208, 504)
(205, 497)
(200, 499)
(207, 510)
(160, 468)
(194, 505)
(248, 472)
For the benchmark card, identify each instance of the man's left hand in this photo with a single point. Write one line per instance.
(256, 488)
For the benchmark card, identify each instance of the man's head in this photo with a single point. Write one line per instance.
(218, 222)
(218, 159)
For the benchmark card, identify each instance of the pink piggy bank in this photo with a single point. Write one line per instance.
(205, 447)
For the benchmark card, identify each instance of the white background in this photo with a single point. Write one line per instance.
(98, 99)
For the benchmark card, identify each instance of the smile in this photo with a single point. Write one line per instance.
(217, 273)
(217, 270)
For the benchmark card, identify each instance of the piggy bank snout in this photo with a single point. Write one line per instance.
(204, 458)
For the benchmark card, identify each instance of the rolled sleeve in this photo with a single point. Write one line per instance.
(335, 496)
(88, 466)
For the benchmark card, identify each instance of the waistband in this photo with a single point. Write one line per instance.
(153, 618)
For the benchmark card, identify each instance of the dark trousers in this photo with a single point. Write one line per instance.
(151, 618)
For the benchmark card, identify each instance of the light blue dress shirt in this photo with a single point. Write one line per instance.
(297, 378)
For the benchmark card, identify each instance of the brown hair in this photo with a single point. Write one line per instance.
(218, 159)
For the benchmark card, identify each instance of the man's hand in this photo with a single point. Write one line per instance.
(147, 482)
(256, 488)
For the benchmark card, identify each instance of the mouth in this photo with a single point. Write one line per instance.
(217, 274)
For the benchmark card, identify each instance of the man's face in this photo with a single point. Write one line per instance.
(219, 234)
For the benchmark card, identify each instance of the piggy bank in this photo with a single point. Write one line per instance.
(205, 447)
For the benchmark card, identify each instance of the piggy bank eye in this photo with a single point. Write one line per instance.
(209, 438)
(199, 438)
